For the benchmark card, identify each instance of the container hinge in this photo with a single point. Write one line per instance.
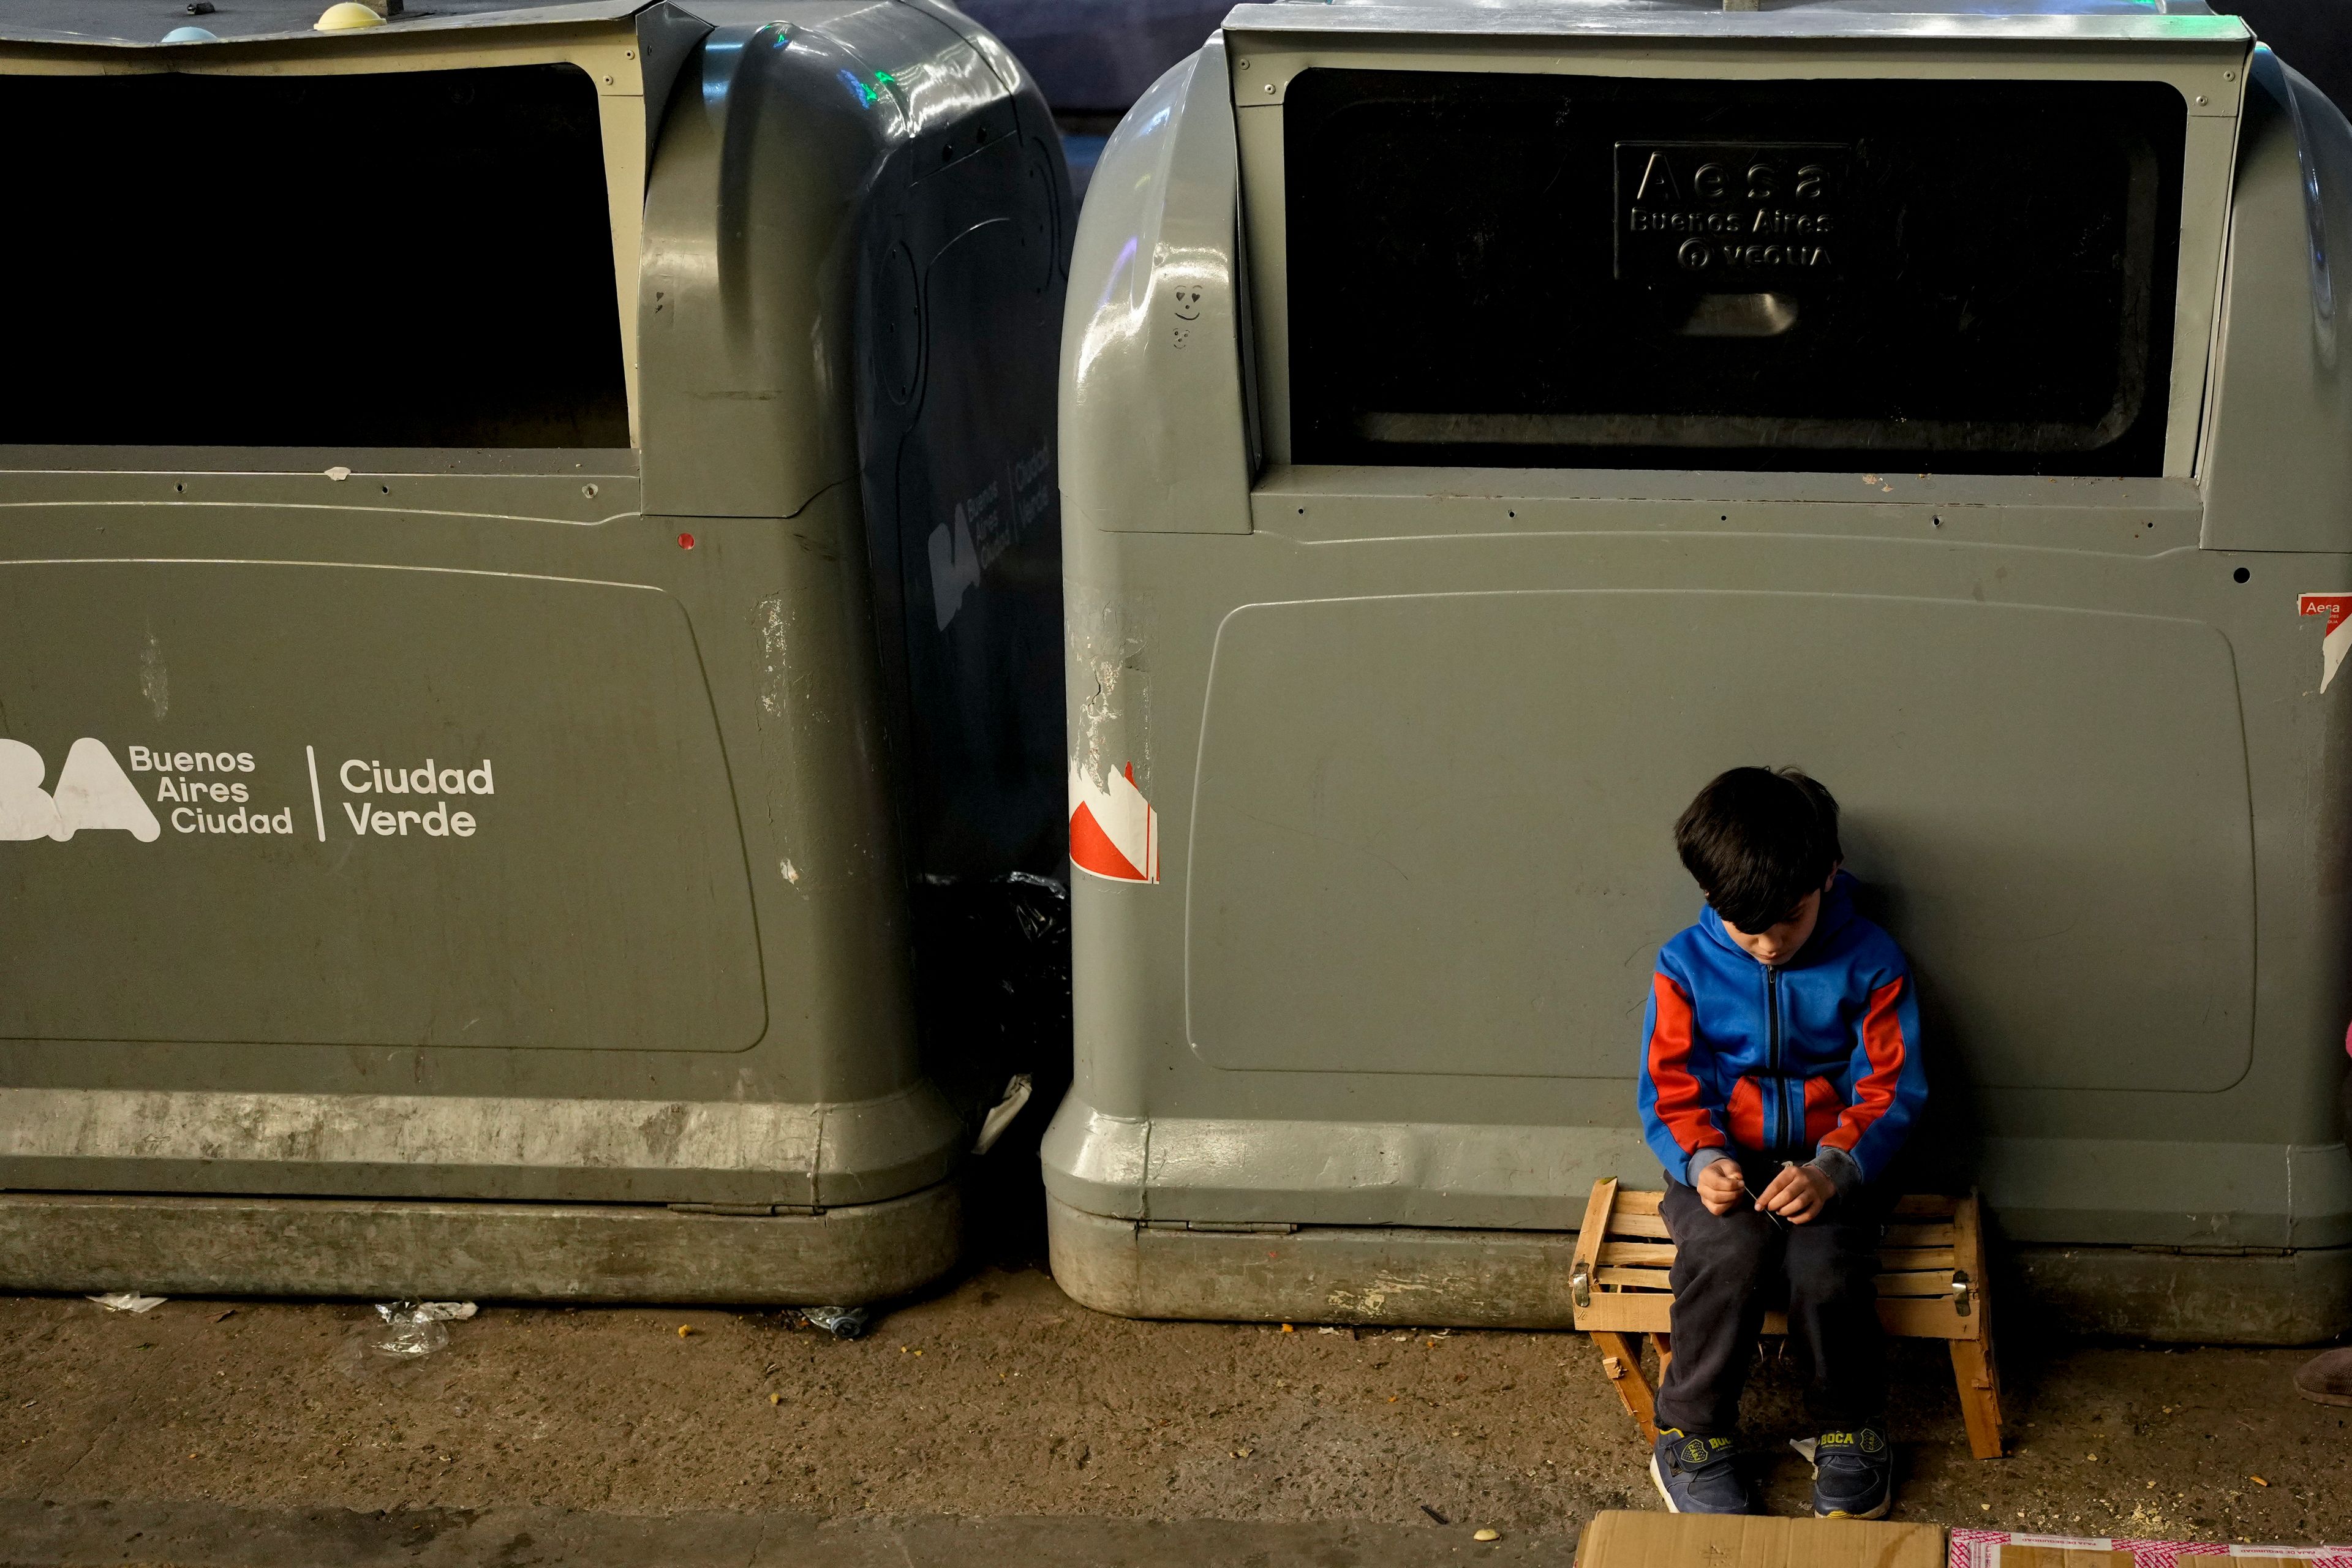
(1963, 1296)
(1580, 1284)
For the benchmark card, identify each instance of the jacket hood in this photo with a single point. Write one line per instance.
(1837, 913)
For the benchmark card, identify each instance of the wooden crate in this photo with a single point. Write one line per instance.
(1931, 1284)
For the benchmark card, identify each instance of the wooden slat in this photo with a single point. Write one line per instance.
(1634, 1279)
(1979, 1397)
(1976, 1364)
(1967, 1238)
(1626, 1311)
(1900, 1259)
(1915, 1282)
(1596, 1220)
(1932, 1233)
(1643, 1224)
(1913, 1317)
(1651, 1312)
(1621, 1361)
(1661, 1253)
(1967, 1246)
(1929, 1284)
(1912, 1205)
(1651, 1227)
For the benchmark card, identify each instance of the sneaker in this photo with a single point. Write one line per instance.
(2327, 1378)
(1854, 1474)
(1698, 1475)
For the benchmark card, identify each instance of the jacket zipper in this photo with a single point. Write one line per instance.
(1773, 1058)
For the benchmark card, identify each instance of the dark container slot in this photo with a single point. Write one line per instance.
(1576, 271)
(417, 259)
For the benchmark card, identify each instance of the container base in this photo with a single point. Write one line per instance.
(1405, 1276)
(1518, 1280)
(476, 1251)
(2298, 1298)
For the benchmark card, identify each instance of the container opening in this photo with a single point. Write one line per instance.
(405, 260)
(1523, 270)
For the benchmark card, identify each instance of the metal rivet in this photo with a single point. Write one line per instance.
(608, 81)
(1246, 65)
(2201, 97)
(2229, 75)
(1269, 90)
(588, 490)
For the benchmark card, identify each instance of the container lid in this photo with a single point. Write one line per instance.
(1941, 21)
(142, 22)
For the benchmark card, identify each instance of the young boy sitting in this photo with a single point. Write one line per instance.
(1780, 1073)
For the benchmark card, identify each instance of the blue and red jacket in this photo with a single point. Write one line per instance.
(1817, 1058)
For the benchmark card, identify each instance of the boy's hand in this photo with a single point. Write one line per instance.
(1720, 1188)
(1798, 1194)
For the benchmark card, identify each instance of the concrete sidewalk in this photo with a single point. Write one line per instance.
(998, 1399)
(212, 1535)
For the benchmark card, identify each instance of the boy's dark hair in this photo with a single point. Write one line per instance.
(1757, 840)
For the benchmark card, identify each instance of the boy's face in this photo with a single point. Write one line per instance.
(1775, 945)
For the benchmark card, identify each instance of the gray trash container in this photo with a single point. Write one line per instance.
(530, 531)
(1482, 426)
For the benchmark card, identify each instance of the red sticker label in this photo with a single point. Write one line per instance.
(2336, 609)
(1114, 832)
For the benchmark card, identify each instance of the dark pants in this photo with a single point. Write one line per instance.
(1730, 1268)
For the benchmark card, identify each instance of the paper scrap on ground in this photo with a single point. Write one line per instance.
(130, 1301)
(415, 1327)
(999, 1115)
(2004, 1549)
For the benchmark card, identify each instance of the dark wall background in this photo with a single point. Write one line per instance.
(2314, 36)
(1095, 57)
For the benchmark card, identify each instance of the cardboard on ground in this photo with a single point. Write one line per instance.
(2014, 1555)
(1622, 1540)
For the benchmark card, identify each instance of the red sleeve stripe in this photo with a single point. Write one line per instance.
(1882, 1041)
(1681, 1103)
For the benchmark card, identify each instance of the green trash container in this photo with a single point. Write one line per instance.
(1482, 426)
(529, 533)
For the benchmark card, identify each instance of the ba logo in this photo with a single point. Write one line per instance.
(1695, 1452)
(1871, 1441)
(92, 791)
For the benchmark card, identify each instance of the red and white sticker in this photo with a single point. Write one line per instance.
(1983, 1549)
(1114, 832)
(2338, 608)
